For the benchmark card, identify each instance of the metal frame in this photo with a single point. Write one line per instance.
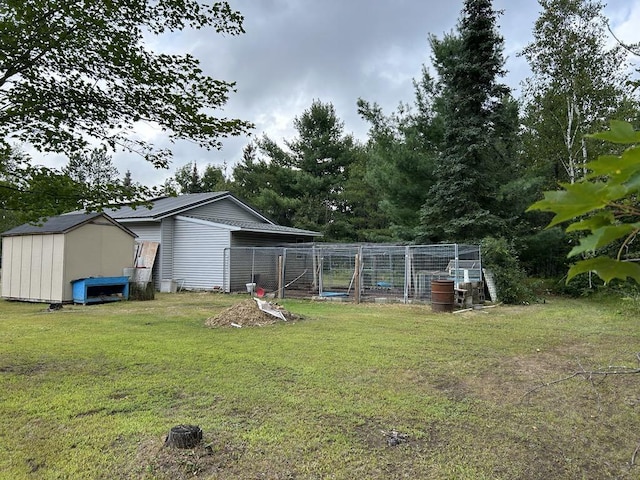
(400, 273)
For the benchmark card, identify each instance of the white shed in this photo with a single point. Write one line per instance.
(39, 261)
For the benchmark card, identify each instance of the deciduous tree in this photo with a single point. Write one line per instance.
(577, 83)
(604, 204)
(76, 73)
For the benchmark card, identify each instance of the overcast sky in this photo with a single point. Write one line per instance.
(295, 51)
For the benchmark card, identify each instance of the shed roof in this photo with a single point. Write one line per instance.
(166, 206)
(62, 224)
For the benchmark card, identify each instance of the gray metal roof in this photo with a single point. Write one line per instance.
(260, 227)
(165, 206)
(61, 224)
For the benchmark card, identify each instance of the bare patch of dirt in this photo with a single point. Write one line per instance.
(247, 314)
(208, 459)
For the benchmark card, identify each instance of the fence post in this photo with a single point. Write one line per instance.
(407, 274)
(280, 293)
(315, 262)
(356, 278)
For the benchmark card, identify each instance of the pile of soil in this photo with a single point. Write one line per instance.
(247, 314)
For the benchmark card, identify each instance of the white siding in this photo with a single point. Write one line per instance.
(225, 209)
(7, 244)
(145, 231)
(198, 254)
(165, 255)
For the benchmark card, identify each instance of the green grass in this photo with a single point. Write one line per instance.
(90, 392)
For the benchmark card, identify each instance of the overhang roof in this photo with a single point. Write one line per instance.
(257, 227)
(62, 224)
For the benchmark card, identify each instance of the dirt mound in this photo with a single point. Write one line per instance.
(247, 314)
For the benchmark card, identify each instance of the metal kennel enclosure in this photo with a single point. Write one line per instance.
(357, 272)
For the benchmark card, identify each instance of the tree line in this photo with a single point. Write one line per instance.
(461, 163)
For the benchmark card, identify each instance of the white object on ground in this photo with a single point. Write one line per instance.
(270, 309)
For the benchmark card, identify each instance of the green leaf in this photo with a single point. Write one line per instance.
(599, 220)
(617, 168)
(632, 184)
(603, 236)
(620, 132)
(577, 199)
(606, 268)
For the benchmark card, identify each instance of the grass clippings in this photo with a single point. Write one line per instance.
(247, 314)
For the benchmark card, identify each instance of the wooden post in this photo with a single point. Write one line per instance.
(356, 279)
(280, 292)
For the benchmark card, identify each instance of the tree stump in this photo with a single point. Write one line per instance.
(183, 436)
(141, 291)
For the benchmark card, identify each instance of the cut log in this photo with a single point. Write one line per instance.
(183, 436)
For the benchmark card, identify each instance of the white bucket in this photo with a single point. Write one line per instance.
(251, 287)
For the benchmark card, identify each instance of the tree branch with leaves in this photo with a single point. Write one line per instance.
(605, 205)
(73, 73)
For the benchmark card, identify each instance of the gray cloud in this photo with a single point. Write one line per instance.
(336, 51)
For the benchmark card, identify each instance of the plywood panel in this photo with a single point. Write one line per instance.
(7, 254)
(25, 266)
(58, 291)
(35, 290)
(146, 254)
(46, 273)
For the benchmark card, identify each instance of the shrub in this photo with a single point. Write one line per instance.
(499, 256)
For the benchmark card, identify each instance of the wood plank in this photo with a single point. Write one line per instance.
(146, 254)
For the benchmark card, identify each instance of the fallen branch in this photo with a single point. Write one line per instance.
(589, 374)
(635, 453)
(478, 307)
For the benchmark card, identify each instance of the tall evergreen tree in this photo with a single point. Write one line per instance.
(401, 154)
(480, 130)
(188, 178)
(269, 185)
(95, 170)
(127, 181)
(302, 183)
(322, 154)
(213, 179)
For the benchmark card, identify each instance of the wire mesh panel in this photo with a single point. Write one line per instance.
(428, 263)
(255, 266)
(337, 270)
(383, 273)
(393, 272)
(300, 272)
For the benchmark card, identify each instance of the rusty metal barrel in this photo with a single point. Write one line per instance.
(442, 296)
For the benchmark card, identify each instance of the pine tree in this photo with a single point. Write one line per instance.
(480, 124)
(127, 181)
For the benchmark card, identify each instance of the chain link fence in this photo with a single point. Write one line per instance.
(357, 272)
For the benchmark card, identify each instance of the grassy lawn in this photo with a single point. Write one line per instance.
(91, 392)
